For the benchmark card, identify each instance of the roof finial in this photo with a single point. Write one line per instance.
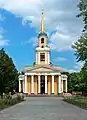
(42, 21)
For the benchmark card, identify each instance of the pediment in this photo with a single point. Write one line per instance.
(41, 69)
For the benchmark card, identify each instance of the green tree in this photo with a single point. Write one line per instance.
(80, 48)
(83, 12)
(75, 82)
(78, 81)
(8, 74)
(84, 76)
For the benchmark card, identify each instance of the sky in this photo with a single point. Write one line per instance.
(20, 22)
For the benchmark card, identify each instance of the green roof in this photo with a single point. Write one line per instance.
(42, 34)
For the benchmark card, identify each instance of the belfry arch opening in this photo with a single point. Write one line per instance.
(42, 40)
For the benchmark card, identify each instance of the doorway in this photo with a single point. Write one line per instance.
(42, 84)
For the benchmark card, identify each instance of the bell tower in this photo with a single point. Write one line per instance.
(42, 51)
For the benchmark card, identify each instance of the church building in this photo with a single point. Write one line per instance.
(42, 77)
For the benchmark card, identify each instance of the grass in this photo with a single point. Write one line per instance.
(9, 101)
(78, 101)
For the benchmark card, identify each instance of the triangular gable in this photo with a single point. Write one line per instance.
(41, 68)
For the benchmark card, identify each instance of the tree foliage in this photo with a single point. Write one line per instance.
(78, 81)
(8, 73)
(81, 48)
(84, 76)
(75, 82)
(83, 12)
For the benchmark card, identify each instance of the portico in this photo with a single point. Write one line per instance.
(53, 83)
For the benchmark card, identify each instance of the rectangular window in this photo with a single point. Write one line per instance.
(42, 56)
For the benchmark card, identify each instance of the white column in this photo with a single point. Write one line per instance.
(52, 84)
(38, 83)
(38, 57)
(19, 86)
(23, 87)
(25, 83)
(62, 86)
(45, 84)
(59, 84)
(48, 57)
(32, 84)
(66, 85)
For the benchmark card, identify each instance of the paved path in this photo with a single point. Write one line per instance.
(43, 108)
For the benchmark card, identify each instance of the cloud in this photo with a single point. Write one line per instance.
(33, 40)
(2, 30)
(2, 18)
(60, 41)
(3, 42)
(76, 68)
(60, 59)
(60, 16)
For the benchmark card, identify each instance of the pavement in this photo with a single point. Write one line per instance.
(43, 108)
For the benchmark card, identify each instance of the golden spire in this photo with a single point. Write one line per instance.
(42, 21)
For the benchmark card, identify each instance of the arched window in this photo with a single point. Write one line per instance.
(42, 40)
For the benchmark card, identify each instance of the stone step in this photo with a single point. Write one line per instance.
(41, 95)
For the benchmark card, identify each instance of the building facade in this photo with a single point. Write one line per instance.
(42, 77)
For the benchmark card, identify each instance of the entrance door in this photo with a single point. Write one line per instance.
(42, 84)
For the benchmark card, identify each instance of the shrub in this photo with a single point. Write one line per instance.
(10, 101)
(8, 97)
(19, 98)
(14, 101)
(79, 101)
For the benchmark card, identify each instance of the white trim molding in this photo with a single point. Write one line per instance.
(21, 77)
(43, 73)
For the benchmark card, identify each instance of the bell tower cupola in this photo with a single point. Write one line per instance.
(42, 51)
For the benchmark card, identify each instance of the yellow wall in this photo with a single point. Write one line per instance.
(49, 78)
(55, 85)
(35, 84)
(29, 84)
(49, 84)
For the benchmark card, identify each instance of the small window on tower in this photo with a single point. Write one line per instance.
(42, 40)
(42, 56)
